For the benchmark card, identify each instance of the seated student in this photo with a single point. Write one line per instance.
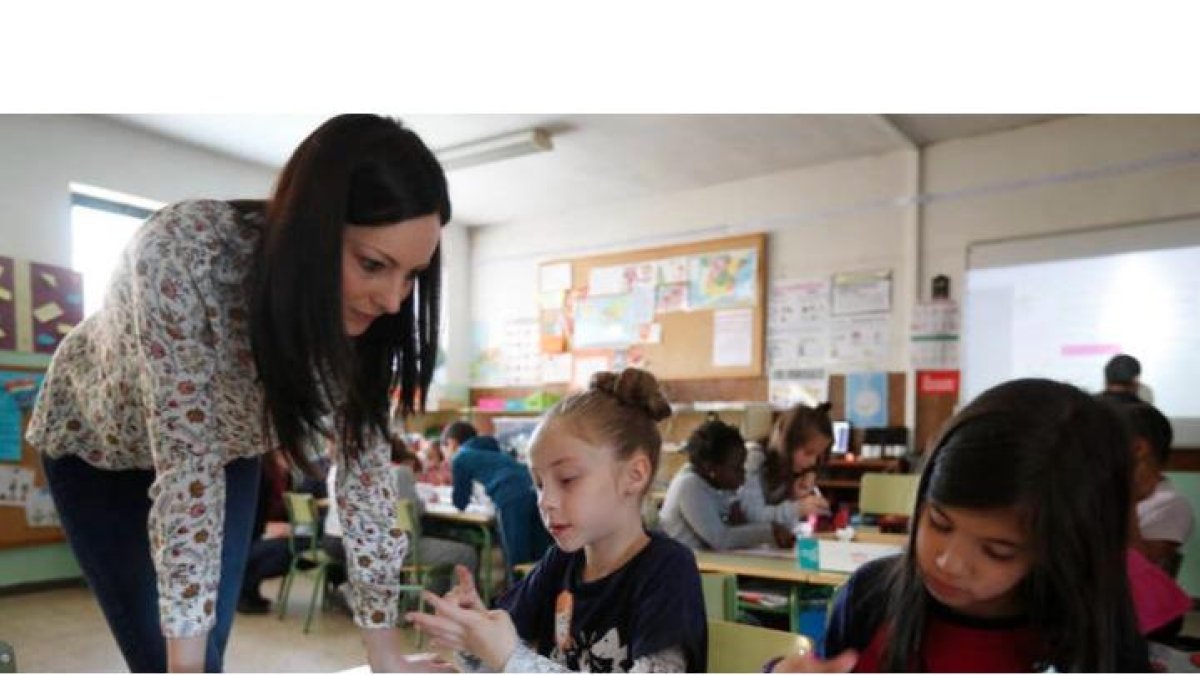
(1164, 517)
(269, 555)
(698, 510)
(1121, 380)
(1017, 557)
(435, 552)
(608, 596)
(506, 482)
(798, 439)
(435, 469)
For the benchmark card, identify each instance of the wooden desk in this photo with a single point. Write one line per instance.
(769, 565)
(478, 519)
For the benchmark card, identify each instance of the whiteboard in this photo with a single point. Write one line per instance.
(1061, 307)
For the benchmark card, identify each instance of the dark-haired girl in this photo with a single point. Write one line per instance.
(1017, 558)
(231, 328)
(699, 509)
(799, 438)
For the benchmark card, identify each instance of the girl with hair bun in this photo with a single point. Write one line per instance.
(608, 596)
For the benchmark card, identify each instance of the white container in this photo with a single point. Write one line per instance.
(848, 556)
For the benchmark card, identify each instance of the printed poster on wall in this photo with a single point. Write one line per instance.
(57, 304)
(862, 292)
(18, 392)
(860, 340)
(733, 338)
(867, 399)
(723, 279)
(8, 305)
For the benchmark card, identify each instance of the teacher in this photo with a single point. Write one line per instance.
(231, 328)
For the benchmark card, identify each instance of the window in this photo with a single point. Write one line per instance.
(101, 228)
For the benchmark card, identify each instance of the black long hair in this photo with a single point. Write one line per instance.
(1062, 458)
(361, 170)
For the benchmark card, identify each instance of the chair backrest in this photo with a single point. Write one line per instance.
(740, 648)
(720, 595)
(1187, 483)
(302, 515)
(409, 521)
(888, 494)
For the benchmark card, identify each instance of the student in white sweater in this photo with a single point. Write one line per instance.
(698, 510)
(772, 492)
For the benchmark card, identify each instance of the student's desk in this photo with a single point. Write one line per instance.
(480, 519)
(773, 565)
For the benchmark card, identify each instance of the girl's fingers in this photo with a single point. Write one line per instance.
(437, 626)
(465, 579)
(450, 609)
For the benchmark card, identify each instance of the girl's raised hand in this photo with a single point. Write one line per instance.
(464, 593)
(489, 635)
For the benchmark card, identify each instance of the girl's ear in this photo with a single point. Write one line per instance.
(637, 474)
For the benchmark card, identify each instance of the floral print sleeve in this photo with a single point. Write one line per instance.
(375, 549)
(176, 350)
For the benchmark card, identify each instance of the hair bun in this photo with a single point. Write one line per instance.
(635, 388)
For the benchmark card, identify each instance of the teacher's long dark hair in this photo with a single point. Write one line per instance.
(360, 170)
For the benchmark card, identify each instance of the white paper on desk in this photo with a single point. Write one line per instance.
(555, 277)
(733, 338)
(608, 281)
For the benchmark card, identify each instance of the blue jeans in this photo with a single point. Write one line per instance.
(104, 514)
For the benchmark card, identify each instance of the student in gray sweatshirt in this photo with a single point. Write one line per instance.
(699, 510)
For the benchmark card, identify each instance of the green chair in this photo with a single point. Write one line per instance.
(740, 648)
(8, 658)
(720, 595)
(302, 516)
(888, 494)
(1187, 483)
(416, 573)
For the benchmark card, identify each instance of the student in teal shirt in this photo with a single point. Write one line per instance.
(507, 483)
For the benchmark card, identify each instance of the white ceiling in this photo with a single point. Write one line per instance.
(602, 158)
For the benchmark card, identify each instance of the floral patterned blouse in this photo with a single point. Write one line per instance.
(163, 378)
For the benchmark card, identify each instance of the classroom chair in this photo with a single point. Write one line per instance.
(739, 648)
(888, 494)
(409, 522)
(1187, 483)
(302, 517)
(720, 595)
(8, 658)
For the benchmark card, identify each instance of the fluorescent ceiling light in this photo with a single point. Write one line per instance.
(495, 149)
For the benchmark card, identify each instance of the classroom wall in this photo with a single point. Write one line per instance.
(836, 217)
(1071, 174)
(41, 154)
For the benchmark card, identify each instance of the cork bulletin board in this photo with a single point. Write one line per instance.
(685, 350)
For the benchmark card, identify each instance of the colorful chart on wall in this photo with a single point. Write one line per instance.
(723, 279)
(57, 305)
(8, 305)
(605, 321)
(18, 391)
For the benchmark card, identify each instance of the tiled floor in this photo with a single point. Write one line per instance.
(62, 630)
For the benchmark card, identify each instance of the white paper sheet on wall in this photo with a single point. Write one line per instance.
(733, 338)
(16, 485)
(860, 340)
(608, 281)
(862, 292)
